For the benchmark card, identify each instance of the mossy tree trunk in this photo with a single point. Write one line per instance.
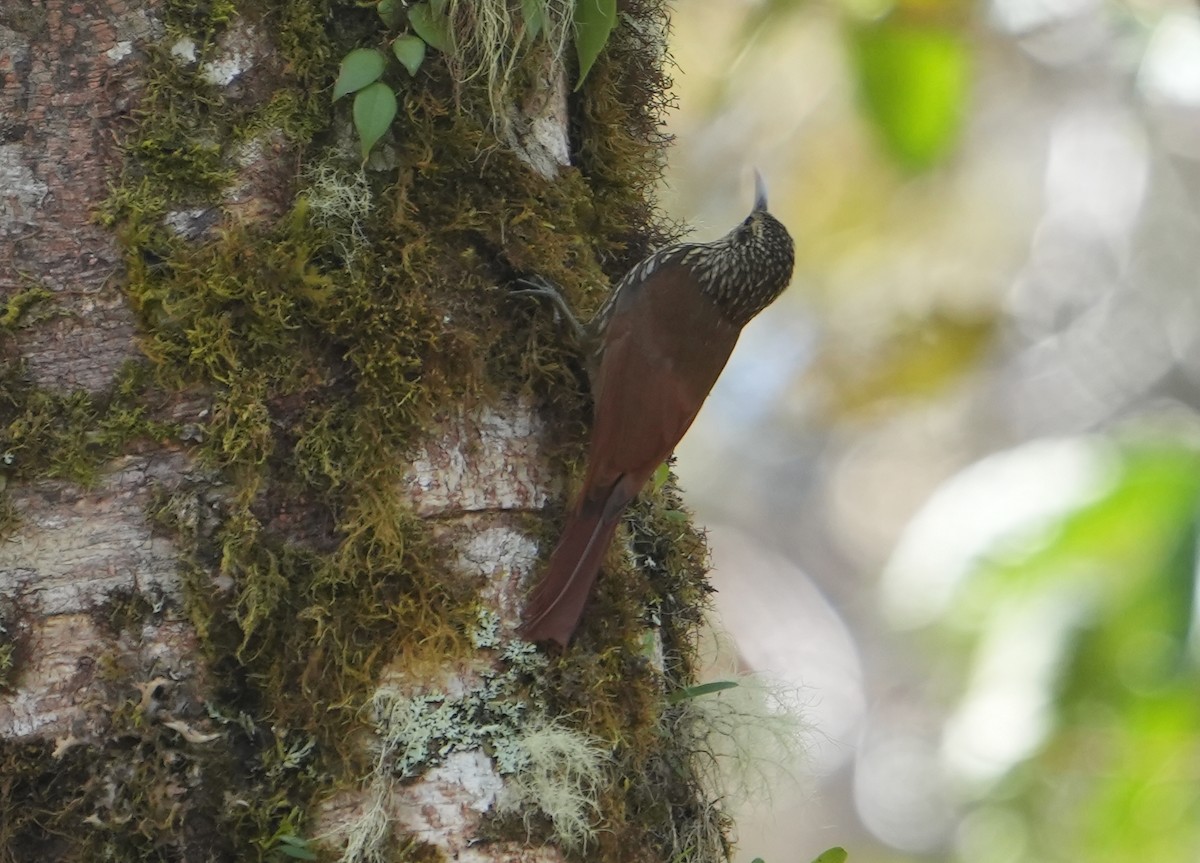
(280, 453)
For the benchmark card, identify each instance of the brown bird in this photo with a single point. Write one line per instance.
(660, 342)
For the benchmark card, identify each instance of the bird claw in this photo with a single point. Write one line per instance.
(546, 289)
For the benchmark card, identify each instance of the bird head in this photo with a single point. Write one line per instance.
(752, 264)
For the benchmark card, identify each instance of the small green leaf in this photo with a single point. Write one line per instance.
(594, 22)
(389, 12)
(650, 647)
(410, 51)
(431, 26)
(295, 847)
(360, 67)
(832, 855)
(374, 110)
(533, 13)
(690, 692)
(661, 474)
(296, 852)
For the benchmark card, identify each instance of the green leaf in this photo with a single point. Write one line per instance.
(360, 67)
(533, 13)
(432, 26)
(594, 22)
(389, 12)
(1118, 542)
(690, 692)
(410, 51)
(374, 109)
(296, 852)
(833, 855)
(649, 646)
(913, 79)
(295, 847)
(661, 474)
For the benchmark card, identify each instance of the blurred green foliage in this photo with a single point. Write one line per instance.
(915, 358)
(1117, 775)
(952, 310)
(911, 63)
(913, 83)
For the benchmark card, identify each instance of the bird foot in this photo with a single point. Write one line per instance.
(537, 286)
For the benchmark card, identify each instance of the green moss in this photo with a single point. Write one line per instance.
(150, 794)
(206, 16)
(13, 643)
(620, 116)
(8, 660)
(125, 610)
(416, 851)
(183, 131)
(10, 517)
(15, 311)
(71, 435)
(38, 793)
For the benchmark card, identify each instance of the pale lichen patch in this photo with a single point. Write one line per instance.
(120, 51)
(239, 48)
(21, 192)
(184, 50)
(502, 557)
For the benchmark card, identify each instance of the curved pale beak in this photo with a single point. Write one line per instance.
(760, 192)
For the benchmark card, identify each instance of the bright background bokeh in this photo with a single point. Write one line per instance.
(952, 477)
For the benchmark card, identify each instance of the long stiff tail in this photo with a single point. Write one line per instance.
(557, 603)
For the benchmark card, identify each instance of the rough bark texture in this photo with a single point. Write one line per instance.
(277, 445)
(68, 81)
(67, 84)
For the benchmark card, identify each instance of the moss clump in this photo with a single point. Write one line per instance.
(10, 516)
(150, 793)
(40, 800)
(125, 610)
(622, 144)
(14, 643)
(71, 435)
(19, 309)
(8, 661)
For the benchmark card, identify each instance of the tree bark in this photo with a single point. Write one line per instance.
(280, 455)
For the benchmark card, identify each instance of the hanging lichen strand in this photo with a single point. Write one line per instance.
(323, 316)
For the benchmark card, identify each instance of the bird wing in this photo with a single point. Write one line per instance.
(664, 346)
